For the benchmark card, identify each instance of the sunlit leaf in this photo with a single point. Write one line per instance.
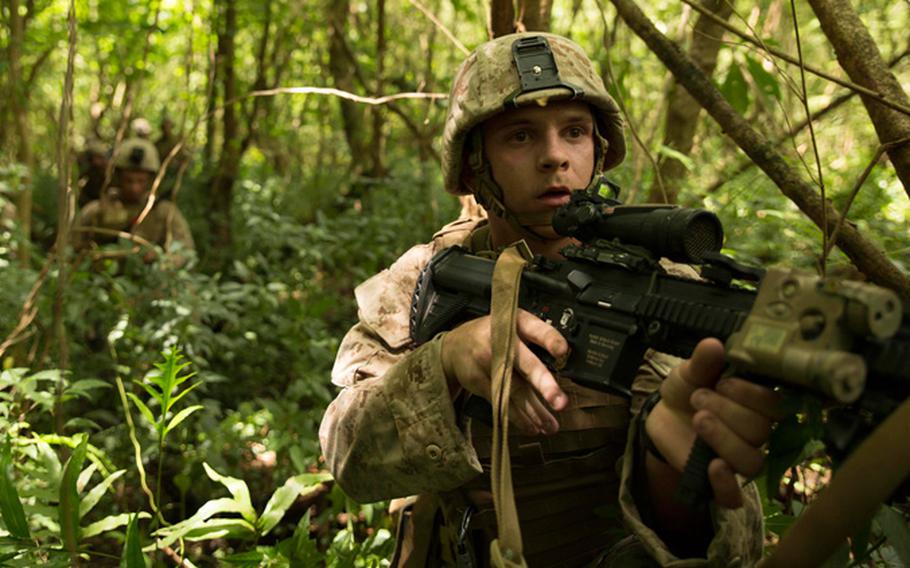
(238, 489)
(69, 498)
(110, 523)
(735, 89)
(132, 547)
(181, 416)
(685, 160)
(285, 496)
(85, 477)
(142, 408)
(92, 497)
(10, 506)
(766, 81)
(169, 535)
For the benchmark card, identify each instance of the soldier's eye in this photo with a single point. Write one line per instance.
(520, 136)
(576, 132)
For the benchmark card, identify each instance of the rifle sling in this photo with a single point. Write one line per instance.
(506, 550)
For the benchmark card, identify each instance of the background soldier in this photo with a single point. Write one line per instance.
(120, 209)
(92, 163)
(584, 459)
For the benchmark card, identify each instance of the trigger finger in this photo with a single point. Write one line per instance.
(539, 377)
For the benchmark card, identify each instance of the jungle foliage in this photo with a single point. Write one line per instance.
(155, 414)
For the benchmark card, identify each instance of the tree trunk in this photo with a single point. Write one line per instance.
(377, 146)
(353, 115)
(19, 109)
(858, 54)
(534, 15)
(222, 182)
(683, 111)
(867, 257)
(502, 18)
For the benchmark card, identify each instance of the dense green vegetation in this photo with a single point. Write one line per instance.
(164, 412)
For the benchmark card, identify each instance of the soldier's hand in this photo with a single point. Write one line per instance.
(732, 415)
(466, 358)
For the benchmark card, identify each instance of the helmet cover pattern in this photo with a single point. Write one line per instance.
(137, 154)
(488, 78)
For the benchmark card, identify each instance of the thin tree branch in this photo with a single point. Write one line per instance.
(794, 61)
(818, 115)
(865, 254)
(464, 50)
(804, 98)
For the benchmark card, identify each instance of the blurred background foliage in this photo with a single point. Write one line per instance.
(296, 198)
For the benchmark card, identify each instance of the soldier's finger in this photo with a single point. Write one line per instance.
(727, 492)
(748, 424)
(743, 457)
(533, 329)
(752, 395)
(539, 377)
(529, 405)
(702, 369)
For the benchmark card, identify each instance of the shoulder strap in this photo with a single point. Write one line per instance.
(505, 551)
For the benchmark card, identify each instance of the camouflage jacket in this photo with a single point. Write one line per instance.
(164, 225)
(393, 431)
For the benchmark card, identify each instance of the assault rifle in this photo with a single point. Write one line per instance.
(847, 342)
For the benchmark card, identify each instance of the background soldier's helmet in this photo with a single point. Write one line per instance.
(137, 154)
(488, 82)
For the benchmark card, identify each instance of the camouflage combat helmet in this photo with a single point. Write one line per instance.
(513, 71)
(137, 154)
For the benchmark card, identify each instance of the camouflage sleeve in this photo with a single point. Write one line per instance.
(395, 435)
(85, 217)
(391, 431)
(178, 230)
(738, 533)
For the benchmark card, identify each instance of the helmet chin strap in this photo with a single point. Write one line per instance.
(490, 195)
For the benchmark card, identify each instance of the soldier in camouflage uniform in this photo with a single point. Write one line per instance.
(120, 208)
(593, 473)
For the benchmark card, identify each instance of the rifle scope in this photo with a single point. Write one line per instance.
(679, 233)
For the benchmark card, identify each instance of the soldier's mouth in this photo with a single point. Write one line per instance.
(555, 196)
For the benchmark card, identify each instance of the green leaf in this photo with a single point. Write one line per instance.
(142, 408)
(685, 160)
(170, 534)
(82, 424)
(766, 81)
(82, 388)
(183, 393)
(300, 549)
(132, 556)
(735, 89)
(93, 496)
(85, 477)
(10, 506)
(285, 496)
(238, 489)
(154, 393)
(221, 528)
(69, 498)
(894, 525)
(181, 416)
(794, 437)
(110, 523)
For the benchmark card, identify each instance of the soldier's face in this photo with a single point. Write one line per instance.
(134, 185)
(539, 155)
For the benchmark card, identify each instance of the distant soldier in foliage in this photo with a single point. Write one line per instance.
(92, 163)
(126, 208)
(593, 473)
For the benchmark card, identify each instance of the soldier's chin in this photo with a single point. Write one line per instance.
(546, 231)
